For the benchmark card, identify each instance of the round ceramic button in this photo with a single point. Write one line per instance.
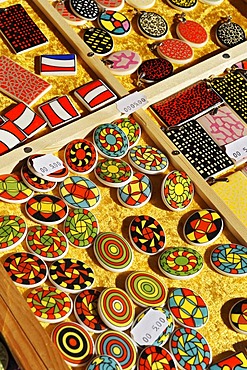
(123, 62)
(193, 33)
(148, 159)
(99, 41)
(117, 24)
(184, 5)
(118, 345)
(13, 190)
(155, 357)
(36, 183)
(113, 172)
(147, 235)
(154, 70)
(190, 349)
(203, 227)
(238, 316)
(49, 304)
(13, 232)
(71, 275)
(26, 269)
(176, 51)
(87, 10)
(4, 356)
(81, 228)
(80, 192)
(152, 25)
(81, 156)
(180, 263)
(86, 311)
(229, 34)
(188, 308)
(113, 252)
(103, 362)
(56, 176)
(46, 209)
(141, 4)
(47, 242)
(74, 343)
(131, 129)
(63, 9)
(110, 141)
(111, 4)
(145, 289)
(177, 191)
(230, 260)
(116, 309)
(137, 192)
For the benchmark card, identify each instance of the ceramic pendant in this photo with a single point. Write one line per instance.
(184, 5)
(191, 32)
(123, 62)
(36, 183)
(152, 25)
(141, 4)
(176, 51)
(81, 156)
(13, 232)
(102, 362)
(154, 356)
(56, 176)
(230, 260)
(19, 30)
(238, 316)
(117, 24)
(95, 94)
(113, 172)
(88, 9)
(20, 84)
(13, 190)
(154, 70)
(148, 159)
(116, 309)
(74, 343)
(58, 65)
(11, 136)
(64, 10)
(229, 34)
(99, 41)
(131, 128)
(137, 192)
(115, 5)
(232, 362)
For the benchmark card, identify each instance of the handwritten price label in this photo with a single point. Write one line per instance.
(237, 150)
(149, 328)
(47, 164)
(130, 103)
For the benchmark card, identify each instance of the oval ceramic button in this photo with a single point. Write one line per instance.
(137, 192)
(116, 309)
(86, 311)
(13, 190)
(238, 316)
(64, 10)
(88, 9)
(81, 156)
(188, 308)
(123, 62)
(80, 192)
(147, 235)
(229, 34)
(36, 183)
(203, 227)
(192, 32)
(113, 252)
(56, 176)
(131, 129)
(99, 41)
(230, 260)
(176, 51)
(154, 70)
(155, 357)
(46, 209)
(103, 362)
(13, 232)
(145, 289)
(180, 263)
(117, 24)
(115, 5)
(177, 191)
(184, 5)
(152, 25)
(148, 159)
(141, 4)
(113, 172)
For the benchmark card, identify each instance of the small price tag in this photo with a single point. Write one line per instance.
(131, 102)
(237, 150)
(47, 164)
(149, 328)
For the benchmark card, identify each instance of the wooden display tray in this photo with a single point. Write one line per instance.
(24, 335)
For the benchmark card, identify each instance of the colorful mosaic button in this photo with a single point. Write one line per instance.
(119, 346)
(74, 343)
(147, 235)
(81, 228)
(71, 275)
(113, 172)
(36, 183)
(177, 190)
(137, 192)
(230, 260)
(86, 311)
(188, 308)
(80, 156)
(46, 209)
(152, 25)
(145, 289)
(123, 62)
(80, 192)
(190, 349)
(176, 51)
(203, 227)
(13, 230)
(13, 190)
(238, 316)
(103, 362)
(155, 357)
(148, 159)
(113, 252)
(154, 70)
(131, 129)
(56, 176)
(49, 304)
(233, 362)
(26, 269)
(117, 24)
(47, 242)
(180, 263)
(110, 141)
(116, 309)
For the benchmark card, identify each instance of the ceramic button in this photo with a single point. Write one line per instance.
(141, 4)
(64, 10)
(117, 24)
(13, 190)
(192, 32)
(123, 62)
(13, 231)
(99, 41)
(148, 159)
(80, 156)
(154, 70)
(184, 5)
(229, 34)
(152, 25)
(131, 129)
(230, 260)
(111, 4)
(238, 316)
(155, 356)
(56, 176)
(87, 10)
(102, 362)
(113, 172)
(36, 183)
(176, 51)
